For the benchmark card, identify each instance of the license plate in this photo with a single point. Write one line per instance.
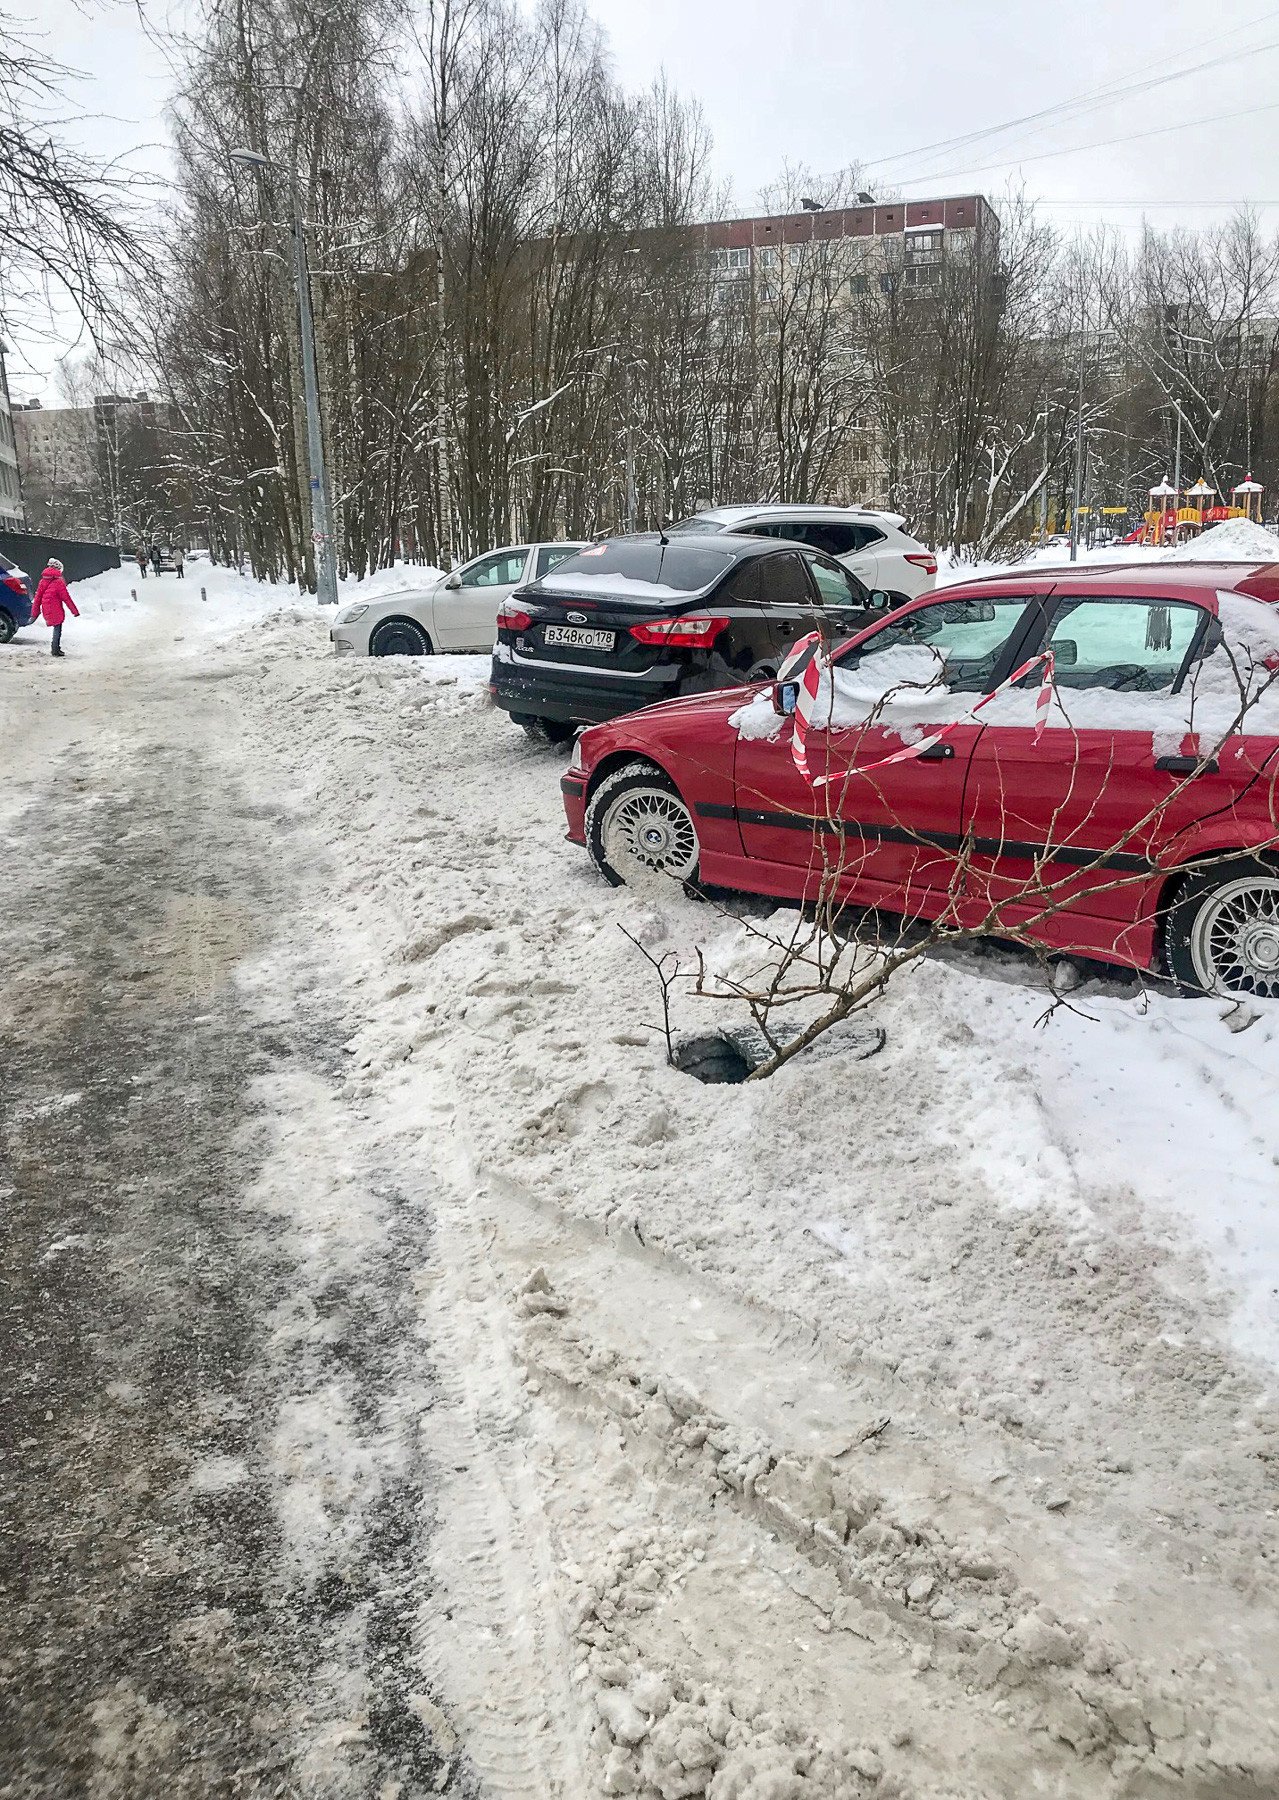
(578, 637)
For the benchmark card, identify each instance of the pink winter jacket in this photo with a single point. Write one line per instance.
(52, 599)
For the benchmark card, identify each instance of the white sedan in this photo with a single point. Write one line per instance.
(456, 612)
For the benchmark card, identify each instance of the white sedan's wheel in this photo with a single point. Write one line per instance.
(399, 637)
(639, 829)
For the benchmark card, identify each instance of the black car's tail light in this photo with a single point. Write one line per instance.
(513, 618)
(694, 631)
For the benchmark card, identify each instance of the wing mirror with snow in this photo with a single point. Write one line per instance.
(785, 697)
(453, 581)
(880, 601)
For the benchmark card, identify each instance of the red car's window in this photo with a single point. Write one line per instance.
(1129, 646)
(967, 638)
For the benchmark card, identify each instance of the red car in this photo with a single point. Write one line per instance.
(1136, 825)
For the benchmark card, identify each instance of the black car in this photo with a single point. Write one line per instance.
(638, 619)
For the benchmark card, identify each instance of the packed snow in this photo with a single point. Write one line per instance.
(570, 582)
(1233, 540)
(895, 1425)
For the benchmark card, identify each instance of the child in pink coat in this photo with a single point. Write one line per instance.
(52, 602)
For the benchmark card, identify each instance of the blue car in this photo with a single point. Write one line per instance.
(15, 599)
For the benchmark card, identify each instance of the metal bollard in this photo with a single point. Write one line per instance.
(134, 593)
(203, 594)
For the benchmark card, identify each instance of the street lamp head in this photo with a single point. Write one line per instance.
(250, 158)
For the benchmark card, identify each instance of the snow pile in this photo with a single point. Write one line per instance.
(758, 718)
(400, 578)
(1232, 541)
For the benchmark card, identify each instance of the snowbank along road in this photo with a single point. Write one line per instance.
(418, 1386)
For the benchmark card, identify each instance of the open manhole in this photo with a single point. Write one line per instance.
(712, 1056)
(731, 1055)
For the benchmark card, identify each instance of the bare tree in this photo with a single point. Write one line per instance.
(1195, 312)
(68, 221)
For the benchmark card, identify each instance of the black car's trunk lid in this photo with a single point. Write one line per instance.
(595, 630)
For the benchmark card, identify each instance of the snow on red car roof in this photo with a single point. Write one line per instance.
(1260, 579)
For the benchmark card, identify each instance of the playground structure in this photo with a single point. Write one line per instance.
(1174, 517)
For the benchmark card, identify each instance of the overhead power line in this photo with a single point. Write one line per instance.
(1130, 137)
(1206, 205)
(1090, 100)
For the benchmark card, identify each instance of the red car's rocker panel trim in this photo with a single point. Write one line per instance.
(1066, 853)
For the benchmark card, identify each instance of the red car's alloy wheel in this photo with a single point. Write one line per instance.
(638, 824)
(1223, 931)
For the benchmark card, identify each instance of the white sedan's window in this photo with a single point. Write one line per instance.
(550, 556)
(503, 569)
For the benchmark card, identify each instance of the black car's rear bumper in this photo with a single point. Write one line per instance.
(576, 697)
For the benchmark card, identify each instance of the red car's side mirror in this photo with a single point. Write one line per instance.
(785, 697)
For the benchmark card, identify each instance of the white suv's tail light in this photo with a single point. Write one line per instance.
(927, 562)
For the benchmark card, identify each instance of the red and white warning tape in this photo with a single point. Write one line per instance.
(819, 664)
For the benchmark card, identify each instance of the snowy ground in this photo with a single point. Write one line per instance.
(899, 1427)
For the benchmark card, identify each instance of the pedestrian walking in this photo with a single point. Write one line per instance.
(179, 557)
(142, 562)
(53, 601)
(155, 558)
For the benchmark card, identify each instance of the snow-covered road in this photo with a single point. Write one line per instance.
(896, 1427)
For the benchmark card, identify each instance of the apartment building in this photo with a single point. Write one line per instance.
(871, 249)
(13, 515)
(922, 228)
(76, 461)
(55, 454)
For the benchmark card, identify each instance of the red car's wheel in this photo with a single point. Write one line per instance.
(1222, 934)
(638, 826)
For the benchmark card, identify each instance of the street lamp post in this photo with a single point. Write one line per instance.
(326, 575)
(1079, 454)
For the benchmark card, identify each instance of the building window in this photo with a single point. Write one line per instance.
(730, 262)
(767, 257)
(859, 284)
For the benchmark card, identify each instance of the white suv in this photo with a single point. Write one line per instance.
(455, 612)
(871, 544)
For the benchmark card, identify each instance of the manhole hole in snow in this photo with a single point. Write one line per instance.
(712, 1057)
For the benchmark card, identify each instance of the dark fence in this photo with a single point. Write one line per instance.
(79, 559)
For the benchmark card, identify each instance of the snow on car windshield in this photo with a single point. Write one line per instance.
(642, 567)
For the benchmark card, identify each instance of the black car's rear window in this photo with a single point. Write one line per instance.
(681, 568)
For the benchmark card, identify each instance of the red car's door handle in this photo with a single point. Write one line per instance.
(1185, 765)
(936, 753)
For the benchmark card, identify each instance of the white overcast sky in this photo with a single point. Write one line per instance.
(828, 82)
